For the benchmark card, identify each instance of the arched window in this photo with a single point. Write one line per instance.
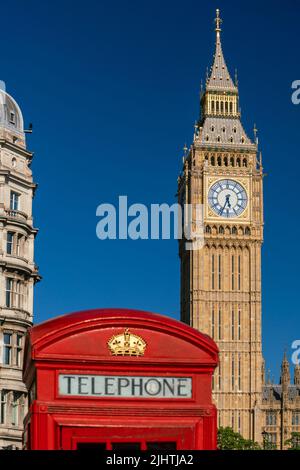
(212, 161)
(213, 106)
(271, 418)
(247, 231)
(239, 380)
(245, 163)
(219, 161)
(213, 325)
(12, 117)
(234, 231)
(232, 161)
(213, 269)
(221, 230)
(239, 288)
(208, 229)
(231, 108)
(220, 272)
(238, 162)
(222, 107)
(233, 262)
(225, 161)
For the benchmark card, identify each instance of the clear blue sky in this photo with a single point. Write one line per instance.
(112, 89)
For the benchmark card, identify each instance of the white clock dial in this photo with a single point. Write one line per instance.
(227, 198)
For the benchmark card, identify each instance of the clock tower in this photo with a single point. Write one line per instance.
(221, 282)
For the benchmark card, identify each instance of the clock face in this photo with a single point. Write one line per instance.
(227, 198)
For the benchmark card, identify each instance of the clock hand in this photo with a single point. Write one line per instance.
(228, 200)
(221, 212)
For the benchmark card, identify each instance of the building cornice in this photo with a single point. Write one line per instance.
(11, 266)
(18, 222)
(16, 148)
(18, 179)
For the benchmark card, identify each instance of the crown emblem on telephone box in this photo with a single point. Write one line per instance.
(127, 344)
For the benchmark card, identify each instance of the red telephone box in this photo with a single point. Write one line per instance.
(119, 379)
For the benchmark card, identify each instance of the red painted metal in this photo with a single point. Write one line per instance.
(77, 344)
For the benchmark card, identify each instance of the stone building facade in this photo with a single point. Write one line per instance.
(280, 407)
(18, 272)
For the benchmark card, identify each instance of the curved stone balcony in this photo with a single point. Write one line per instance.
(19, 263)
(11, 436)
(16, 316)
(13, 214)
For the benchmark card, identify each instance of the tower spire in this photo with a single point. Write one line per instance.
(219, 103)
(285, 370)
(219, 77)
(297, 375)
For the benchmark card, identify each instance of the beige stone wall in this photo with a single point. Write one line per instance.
(281, 426)
(221, 285)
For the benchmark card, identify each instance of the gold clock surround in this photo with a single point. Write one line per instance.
(244, 182)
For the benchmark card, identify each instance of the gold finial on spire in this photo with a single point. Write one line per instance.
(218, 21)
(185, 149)
(255, 130)
(236, 80)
